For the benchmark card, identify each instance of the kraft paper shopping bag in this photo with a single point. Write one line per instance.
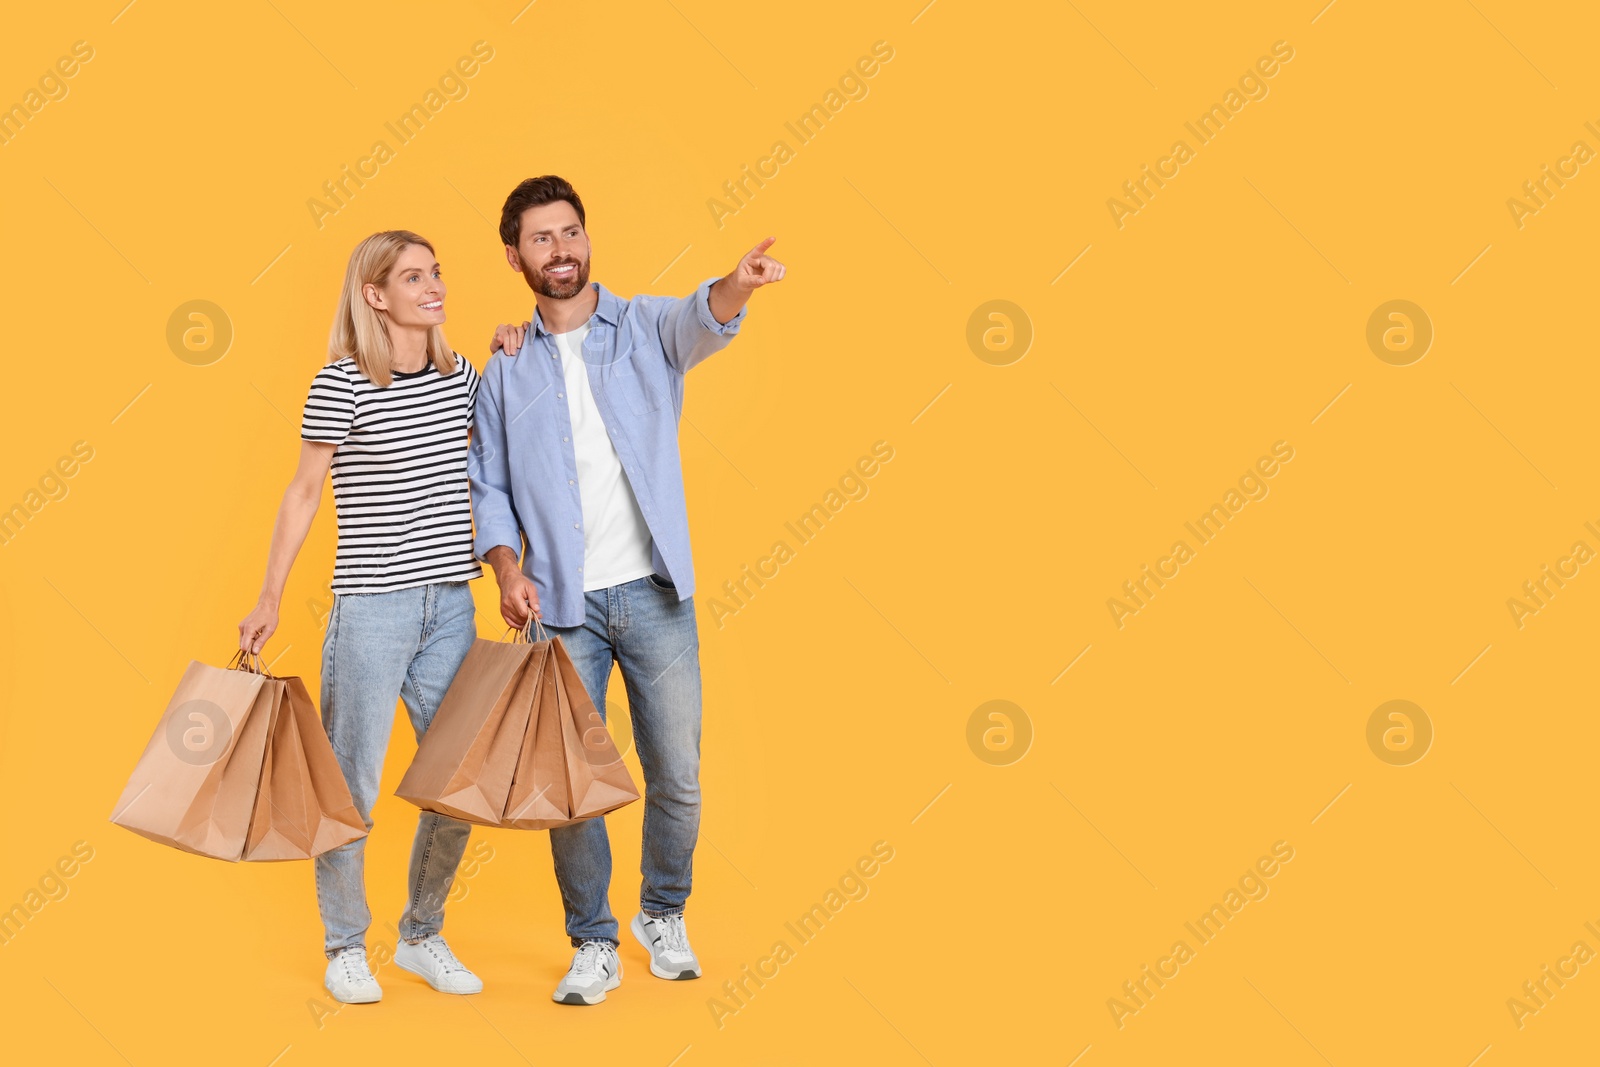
(195, 786)
(466, 759)
(518, 743)
(597, 779)
(303, 805)
(540, 795)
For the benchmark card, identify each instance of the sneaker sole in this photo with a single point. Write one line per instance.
(426, 978)
(578, 998)
(659, 972)
(372, 999)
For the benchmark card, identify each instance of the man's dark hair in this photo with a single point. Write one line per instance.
(545, 189)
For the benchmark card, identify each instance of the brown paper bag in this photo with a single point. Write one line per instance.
(303, 805)
(465, 762)
(281, 787)
(518, 743)
(240, 768)
(540, 795)
(340, 823)
(194, 787)
(597, 779)
(569, 769)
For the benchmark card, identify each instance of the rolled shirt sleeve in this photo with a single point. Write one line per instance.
(689, 332)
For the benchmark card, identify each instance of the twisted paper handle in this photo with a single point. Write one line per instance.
(250, 663)
(525, 634)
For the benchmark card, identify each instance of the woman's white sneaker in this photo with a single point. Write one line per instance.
(350, 980)
(595, 969)
(667, 941)
(432, 959)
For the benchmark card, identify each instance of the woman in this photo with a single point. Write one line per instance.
(389, 415)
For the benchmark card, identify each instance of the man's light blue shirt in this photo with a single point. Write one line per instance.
(523, 468)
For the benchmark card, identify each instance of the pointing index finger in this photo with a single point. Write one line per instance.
(763, 246)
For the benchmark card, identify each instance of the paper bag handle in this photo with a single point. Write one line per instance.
(250, 663)
(525, 634)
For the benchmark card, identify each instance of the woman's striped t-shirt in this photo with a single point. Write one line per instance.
(399, 474)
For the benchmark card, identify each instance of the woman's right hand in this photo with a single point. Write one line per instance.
(508, 338)
(257, 627)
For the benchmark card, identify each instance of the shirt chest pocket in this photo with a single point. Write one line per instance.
(633, 385)
(626, 363)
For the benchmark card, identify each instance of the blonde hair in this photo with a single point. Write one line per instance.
(361, 331)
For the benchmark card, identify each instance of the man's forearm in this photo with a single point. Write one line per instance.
(504, 561)
(726, 299)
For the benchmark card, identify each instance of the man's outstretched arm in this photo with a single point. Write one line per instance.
(695, 326)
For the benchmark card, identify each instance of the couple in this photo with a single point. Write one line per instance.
(574, 464)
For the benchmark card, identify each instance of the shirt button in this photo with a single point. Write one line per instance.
(566, 438)
(561, 396)
(574, 526)
(571, 482)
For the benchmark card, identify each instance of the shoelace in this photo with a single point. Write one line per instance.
(440, 951)
(674, 934)
(355, 966)
(590, 953)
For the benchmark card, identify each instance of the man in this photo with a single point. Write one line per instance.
(575, 464)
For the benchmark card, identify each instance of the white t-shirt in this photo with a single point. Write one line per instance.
(616, 541)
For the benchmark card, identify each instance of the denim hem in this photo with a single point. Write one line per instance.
(579, 942)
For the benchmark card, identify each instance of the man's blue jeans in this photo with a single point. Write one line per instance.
(644, 628)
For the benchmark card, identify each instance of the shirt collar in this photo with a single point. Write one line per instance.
(608, 310)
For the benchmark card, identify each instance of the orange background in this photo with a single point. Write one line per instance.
(1041, 859)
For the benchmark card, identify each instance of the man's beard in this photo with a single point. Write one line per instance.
(544, 285)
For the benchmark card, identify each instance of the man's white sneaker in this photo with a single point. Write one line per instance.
(433, 960)
(595, 969)
(667, 941)
(350, 980)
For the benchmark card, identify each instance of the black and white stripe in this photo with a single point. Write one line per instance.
(399, 474)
